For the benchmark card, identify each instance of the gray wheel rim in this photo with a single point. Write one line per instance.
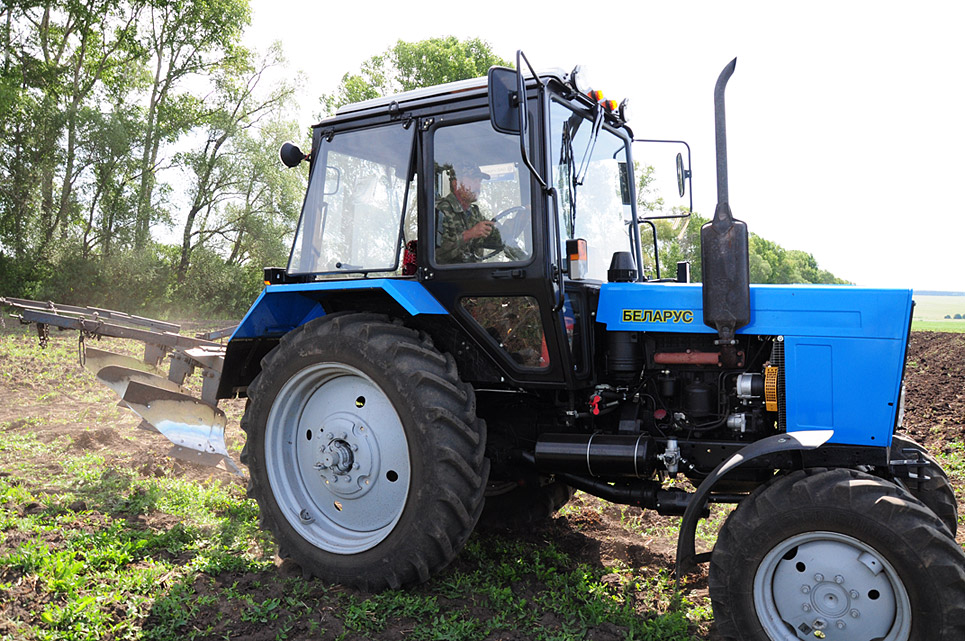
(832, 584)
(337, 458)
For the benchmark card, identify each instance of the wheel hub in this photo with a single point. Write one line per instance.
(339, 460)
(348, 456)
(830, 586)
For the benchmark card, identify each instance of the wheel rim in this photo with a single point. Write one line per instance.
(337, 458)
(830, 586)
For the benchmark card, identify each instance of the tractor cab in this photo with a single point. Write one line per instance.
(511, 228)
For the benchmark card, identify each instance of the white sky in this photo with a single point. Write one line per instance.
(846, 120)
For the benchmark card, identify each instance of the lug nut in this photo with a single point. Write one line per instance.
(839, 579)
(819, 577)
(806, 607)
(806, 589)
(854, 594)
(840, 625)
(855, 614)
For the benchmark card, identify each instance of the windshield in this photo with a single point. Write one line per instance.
(352, 217)
(590, 174)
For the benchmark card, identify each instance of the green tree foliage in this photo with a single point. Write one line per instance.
(120, 117)
(411, 65)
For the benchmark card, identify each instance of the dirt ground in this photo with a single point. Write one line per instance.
(934, 415)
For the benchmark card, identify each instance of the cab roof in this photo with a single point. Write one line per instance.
(470, 87)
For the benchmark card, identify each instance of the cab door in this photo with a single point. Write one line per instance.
(489, 258)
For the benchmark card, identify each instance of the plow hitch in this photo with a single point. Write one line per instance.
(195, 426)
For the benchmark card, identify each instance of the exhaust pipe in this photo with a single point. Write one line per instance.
(724, 249)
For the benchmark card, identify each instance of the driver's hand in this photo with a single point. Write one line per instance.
(480, 230)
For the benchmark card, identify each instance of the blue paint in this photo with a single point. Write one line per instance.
(281, 308)
(844, 346)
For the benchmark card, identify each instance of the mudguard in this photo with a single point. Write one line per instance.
(800, 441)
(281, 308)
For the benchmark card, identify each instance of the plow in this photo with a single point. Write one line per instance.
(195, 426)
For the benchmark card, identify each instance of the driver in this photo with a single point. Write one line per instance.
(463, 234)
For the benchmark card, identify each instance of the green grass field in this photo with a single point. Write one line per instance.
(930, 313)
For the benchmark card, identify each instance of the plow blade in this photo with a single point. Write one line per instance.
(97, 359)
(195, 428)
(117, 378)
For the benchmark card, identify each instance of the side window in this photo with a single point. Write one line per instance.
(514, 322)
(352, 217)
(482, 212)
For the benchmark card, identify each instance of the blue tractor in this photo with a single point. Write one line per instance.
(465, 333)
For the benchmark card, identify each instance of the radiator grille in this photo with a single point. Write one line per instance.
(777, 360)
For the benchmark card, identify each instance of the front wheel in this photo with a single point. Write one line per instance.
(837, 555)
(365, 453)
(929, 483)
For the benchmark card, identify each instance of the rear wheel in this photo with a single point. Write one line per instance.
(837, 555)
(365, 454)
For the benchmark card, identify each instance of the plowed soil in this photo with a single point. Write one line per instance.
(69, 402)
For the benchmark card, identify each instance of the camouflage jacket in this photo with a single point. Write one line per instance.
(451, 221)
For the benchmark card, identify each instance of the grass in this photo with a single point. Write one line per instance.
(92, 547)
(930, 313)
(100, 568)
(954, 326)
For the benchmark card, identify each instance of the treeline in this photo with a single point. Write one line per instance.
(138, 155)
(678, 240)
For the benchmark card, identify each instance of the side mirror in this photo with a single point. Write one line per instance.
(682, 175)
(503, 101)
(291, 155)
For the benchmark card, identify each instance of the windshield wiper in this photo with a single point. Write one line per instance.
(590, 145)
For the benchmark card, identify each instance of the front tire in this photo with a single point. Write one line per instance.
(839, 555)
(364, 451)
(933, 488)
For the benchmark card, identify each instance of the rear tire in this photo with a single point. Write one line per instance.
(936, 492)
(365, 453)
(837, 552)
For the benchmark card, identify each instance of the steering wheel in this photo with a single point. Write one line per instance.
(510, 230)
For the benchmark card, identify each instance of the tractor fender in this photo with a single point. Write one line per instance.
(785, 442)
(281, 308)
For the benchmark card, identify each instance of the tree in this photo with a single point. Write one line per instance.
(217, 166)
(184, 38)
(411, 65)
(678, 240)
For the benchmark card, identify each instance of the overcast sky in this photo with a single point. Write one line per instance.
(845, 120)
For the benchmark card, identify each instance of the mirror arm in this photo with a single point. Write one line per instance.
(521, 102)
(656, 256)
